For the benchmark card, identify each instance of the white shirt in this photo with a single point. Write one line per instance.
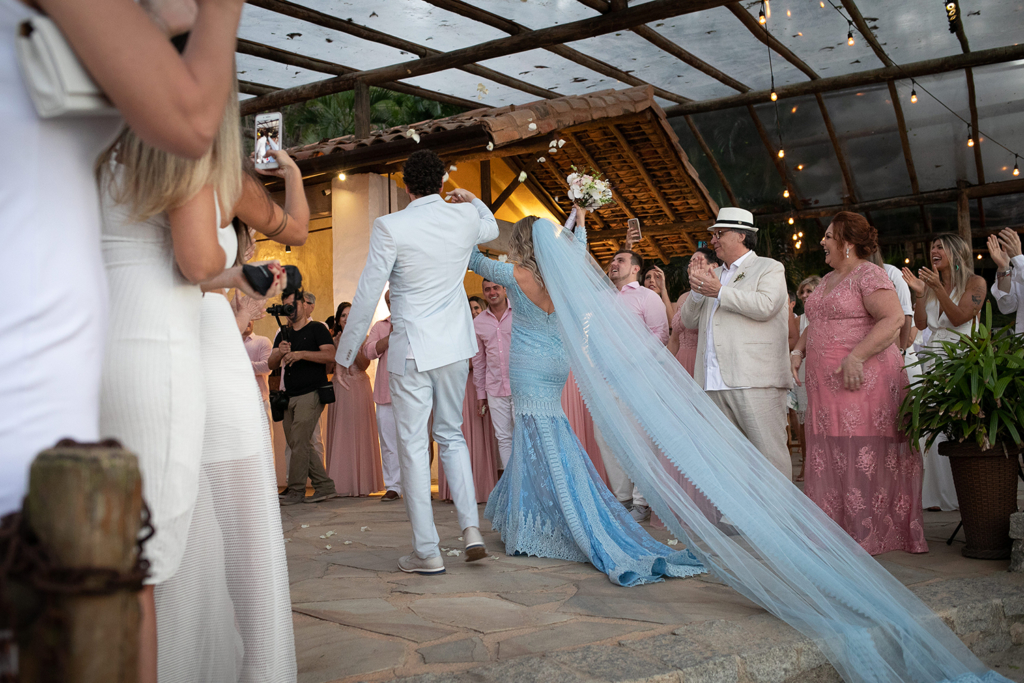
(902, 288)
(1011, 301)
(712, 372)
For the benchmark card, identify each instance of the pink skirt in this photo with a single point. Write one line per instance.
(582, 424)
(483, 448)
(353, 448)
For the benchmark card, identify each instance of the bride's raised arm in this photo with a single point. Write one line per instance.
(489, 269)
(575, 224)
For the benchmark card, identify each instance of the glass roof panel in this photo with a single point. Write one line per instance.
(865, 123)
(548, 70)
(910, 31)
(938, 140)
(810, 158)
(468, 85)
(265, 72)
(699, 161)
(999, 89)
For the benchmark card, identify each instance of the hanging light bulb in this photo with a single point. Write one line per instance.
(849, 35)
(1016, 168)
(774, 96)
(785, 193)
(979, 257)
(287, 248)
(800, 234)
(913, 95)
(970, 137)
(341, 177)
(761, 18)
(782, 153)
(906, 261)
(822, 4)
(798, 244)
(791, 221)
(794, 238)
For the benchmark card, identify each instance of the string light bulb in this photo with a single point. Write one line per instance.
(794, 237)
(1016, 168)
(800, 235)
(791, 221)
(782, 153)
(785, 193)
(799, 244)
(775, 96)
(913, 95)
(979, 257)
(761, 18)
(822, 3)
(341, 177)
(849, 35)
(287, 248)
(970, 137)
(906, 261)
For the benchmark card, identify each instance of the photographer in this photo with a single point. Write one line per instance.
(302, 350)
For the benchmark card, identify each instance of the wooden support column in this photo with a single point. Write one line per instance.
(85, 505)
(972, 102)
(963, 212)
(505, 194)
(485, 181)
(361, 113)
(711, 159)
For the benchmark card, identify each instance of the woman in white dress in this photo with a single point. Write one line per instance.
(947, 298)
(52, 230)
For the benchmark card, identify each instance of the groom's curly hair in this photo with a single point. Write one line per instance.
(423, 173)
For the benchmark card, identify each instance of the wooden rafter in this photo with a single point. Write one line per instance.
(512, 28)
(653, 186)
(711, 159)
(658, 251)
(505, 194)
(273, 54)
(537, 189)
(840, 156)
(250, 88)
(530, 40)
(771, 41)
(485, 181)
(317, 18)
(926, 67)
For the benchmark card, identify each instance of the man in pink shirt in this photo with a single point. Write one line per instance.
(490, 366)
(624, 272)
(376, 347)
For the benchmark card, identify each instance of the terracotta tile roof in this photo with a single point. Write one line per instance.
(504, 125)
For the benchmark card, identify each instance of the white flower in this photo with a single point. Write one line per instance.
(416, 137)
(329, 534)
(322, 536)
(501, 259)
(305, 526)
(365, 528)
(481, 88)
(454, 553)
(541, 160)
(348, 542)
(287, 540)
(328, 546)
(460, 538)
(453, 168)
(673, 541)
(445, 178)
(561, 143)
(553, 143)
(490, 146)
(532, 126)
(522, 176)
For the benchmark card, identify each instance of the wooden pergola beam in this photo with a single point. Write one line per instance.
(780, 166)
(711, 159)
(334, 23)
(512, 28)
(258, 89)
(926, 67)
(865, 30)
(505, 194)
(658, 251)
(840, 156)
(273, 54)
(639, 164)
(531, 40)
(771, 41)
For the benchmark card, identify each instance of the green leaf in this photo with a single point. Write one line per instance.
(1000, 387)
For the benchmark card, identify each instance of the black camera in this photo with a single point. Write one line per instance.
(287, 310)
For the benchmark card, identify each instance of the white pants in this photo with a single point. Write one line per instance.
(621, 487)
(500, 408)
(387, 430)
(413, 395)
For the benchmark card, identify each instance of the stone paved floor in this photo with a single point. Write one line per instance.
(359, 619)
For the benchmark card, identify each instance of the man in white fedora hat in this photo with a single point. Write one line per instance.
(743, 348)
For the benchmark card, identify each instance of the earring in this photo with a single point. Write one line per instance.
(847, 252)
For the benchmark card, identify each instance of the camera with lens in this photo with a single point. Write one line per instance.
(287, 310)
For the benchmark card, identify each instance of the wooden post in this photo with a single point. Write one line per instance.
(362, 110)
(85, 505)
(963, 212)
(485, 181)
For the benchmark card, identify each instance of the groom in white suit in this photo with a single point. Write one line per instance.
(423, 251)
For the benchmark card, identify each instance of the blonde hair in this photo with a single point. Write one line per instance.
(153, 181)
(961, 265)
(520, 247)
(812, 281)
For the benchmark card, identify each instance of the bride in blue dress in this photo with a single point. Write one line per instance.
(550, 502)
(786, 555)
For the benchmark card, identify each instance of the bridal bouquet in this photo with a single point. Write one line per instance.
(588, 190)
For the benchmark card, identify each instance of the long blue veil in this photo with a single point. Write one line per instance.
(789, 557)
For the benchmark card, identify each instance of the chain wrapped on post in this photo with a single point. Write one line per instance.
(71, 565)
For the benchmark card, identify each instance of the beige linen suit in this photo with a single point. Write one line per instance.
(751, 340)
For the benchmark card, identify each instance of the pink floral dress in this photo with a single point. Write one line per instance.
(687, 353)
(861, 470)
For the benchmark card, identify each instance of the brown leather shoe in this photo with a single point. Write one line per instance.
(389, 496)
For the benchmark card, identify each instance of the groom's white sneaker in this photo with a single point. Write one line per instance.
(411, 564)
(475, 548)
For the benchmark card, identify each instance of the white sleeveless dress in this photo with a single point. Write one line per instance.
(55, 316)
(938, 489)
(226, 615)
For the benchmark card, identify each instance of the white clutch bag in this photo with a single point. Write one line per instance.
(57, 83)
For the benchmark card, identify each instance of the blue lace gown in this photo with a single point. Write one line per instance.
(551, 502)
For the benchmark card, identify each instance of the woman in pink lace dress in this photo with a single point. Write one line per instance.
(479, 433)
(353, 448)
(861, 470)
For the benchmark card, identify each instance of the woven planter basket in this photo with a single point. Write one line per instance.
(986, 488)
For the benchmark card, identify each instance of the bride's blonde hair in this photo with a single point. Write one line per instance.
(520, 247)
(153, 181)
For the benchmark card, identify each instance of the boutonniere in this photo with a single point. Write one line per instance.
(740, 277)
(503, 258)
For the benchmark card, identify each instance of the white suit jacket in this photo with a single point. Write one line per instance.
(751, 326)
(423, 250)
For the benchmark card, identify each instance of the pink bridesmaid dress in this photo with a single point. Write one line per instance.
(353, 449)
(861, 470)
(582, 424)
(483, 448)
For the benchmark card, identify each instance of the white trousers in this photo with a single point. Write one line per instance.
(500, 408)
(621, 487)
(413, 395)
(387, 430)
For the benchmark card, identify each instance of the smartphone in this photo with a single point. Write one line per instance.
(268, 138)
(634, 224)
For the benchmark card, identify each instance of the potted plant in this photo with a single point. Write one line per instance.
(972, 394)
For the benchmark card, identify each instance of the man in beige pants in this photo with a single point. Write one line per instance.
(742, 351)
